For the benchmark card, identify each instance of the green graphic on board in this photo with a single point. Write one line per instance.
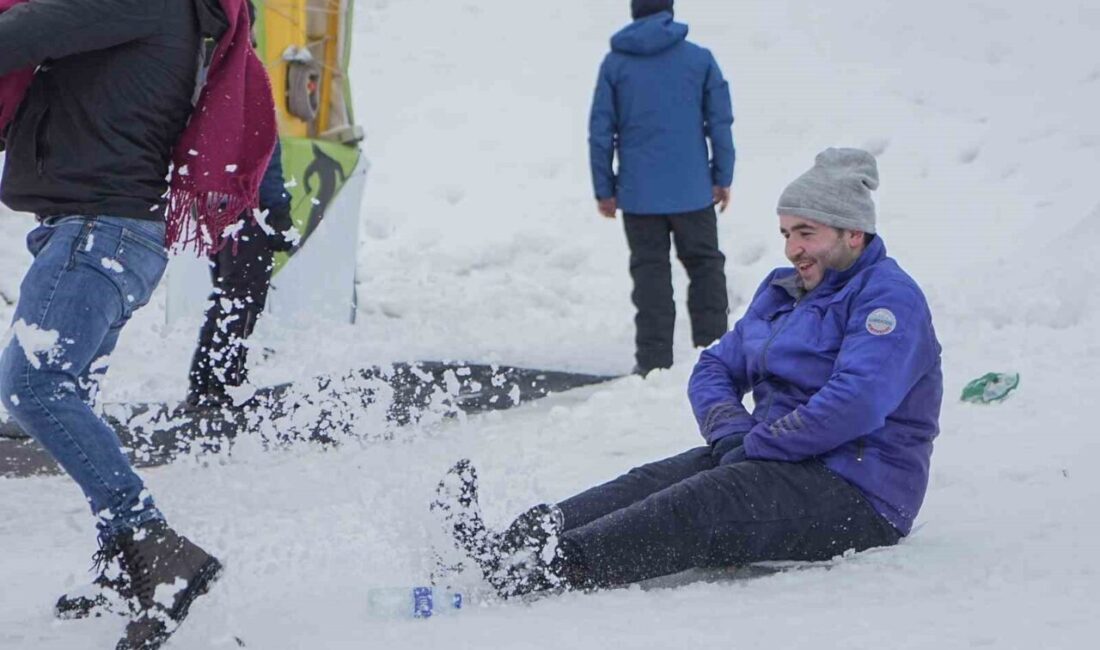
(315, 171)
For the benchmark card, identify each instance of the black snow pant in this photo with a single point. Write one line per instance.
(696, 237)
(241, 280)
(687, 512)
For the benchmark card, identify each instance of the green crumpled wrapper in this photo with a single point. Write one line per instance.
(991, 387)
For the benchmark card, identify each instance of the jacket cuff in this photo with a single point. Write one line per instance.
(722, 179)
(725, 429)
(605, 191)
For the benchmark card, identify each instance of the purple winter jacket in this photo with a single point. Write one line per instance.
(848, 373)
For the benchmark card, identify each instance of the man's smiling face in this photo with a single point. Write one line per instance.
(813, 248)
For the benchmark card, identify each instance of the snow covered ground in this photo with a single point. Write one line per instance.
(480, 241)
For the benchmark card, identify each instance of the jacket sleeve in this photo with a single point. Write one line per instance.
(718, 111)
(273, 192)
(717, 386)
(39, 30)
(602, 134)
(872, 375)
(720, 380)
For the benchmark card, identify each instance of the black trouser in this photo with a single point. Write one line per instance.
(686, 512)
(696, 237)
(241, 280)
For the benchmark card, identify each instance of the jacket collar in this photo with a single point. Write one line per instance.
(833, 280)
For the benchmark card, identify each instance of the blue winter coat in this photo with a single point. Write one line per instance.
(273, 192)
(848, 373)
(658, 99)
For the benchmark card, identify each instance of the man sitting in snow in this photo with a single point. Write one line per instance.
(844, 366)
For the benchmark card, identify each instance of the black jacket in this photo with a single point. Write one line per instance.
(112, 94)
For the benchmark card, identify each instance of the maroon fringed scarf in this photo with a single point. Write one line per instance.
(12, 85)
(222, 154)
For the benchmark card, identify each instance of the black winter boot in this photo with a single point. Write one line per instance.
(521, 560)
(457, 507)
(107, 594)
(530, 554)
(167, 573)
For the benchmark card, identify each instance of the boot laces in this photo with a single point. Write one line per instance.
(108, 551)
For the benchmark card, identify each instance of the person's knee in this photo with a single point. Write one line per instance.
(52, 386)
(9, 393)
(672, 469)
(22, 387)
(650, 261)
(643, 474)
(244, 297)
(703, 263)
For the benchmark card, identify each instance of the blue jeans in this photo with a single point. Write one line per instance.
(89, 275)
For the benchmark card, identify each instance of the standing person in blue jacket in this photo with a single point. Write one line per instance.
(659, 99)
(844, 366)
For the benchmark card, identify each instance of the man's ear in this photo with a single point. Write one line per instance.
(856, 238)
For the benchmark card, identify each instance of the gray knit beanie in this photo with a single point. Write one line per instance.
(836, 191)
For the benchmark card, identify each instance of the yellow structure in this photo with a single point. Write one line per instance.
(304, 44)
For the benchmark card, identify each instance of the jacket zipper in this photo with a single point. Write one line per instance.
(764, 357)
(41, 142)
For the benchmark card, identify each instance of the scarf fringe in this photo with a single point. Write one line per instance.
(204, 221)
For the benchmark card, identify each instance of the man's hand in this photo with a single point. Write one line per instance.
(728, 449)
(607, 207)
(281, 235)
(721, 198)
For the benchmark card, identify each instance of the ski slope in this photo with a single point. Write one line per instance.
(480, 241)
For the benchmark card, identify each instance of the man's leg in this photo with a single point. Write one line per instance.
(241, 279)
(732, 515)
(247, 286)
(633, 486)
(696, 237)
(460, 512)
(87, 278)
(199, 376)
(651, 270)
(88, 382)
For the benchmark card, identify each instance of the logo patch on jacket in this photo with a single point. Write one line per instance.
(881, 322)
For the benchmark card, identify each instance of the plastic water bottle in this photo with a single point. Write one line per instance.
(417, 602)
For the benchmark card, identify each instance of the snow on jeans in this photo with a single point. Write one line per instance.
(688, 511)
(89, 275)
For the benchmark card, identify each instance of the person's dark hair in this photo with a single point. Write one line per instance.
(868, 237)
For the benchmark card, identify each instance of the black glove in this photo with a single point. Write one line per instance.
(728, 449)
(278, 220)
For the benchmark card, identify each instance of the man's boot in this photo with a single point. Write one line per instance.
(167, 573)
(522, 559)
(530, 554)
(108, 593)
(457, 507)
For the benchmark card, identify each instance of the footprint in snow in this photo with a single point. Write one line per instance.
(751, 254)
(452, 195)
(969, 155)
